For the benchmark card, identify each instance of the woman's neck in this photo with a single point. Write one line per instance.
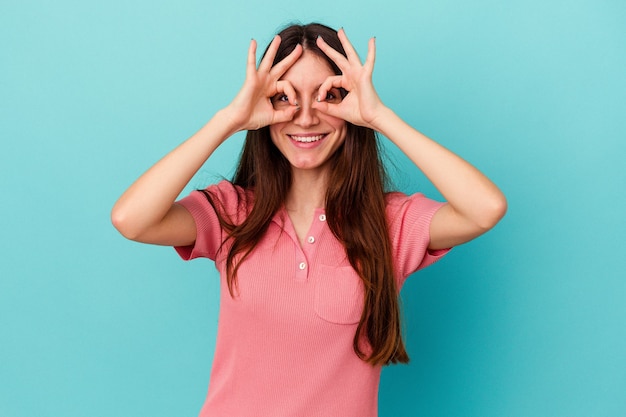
(307, 192)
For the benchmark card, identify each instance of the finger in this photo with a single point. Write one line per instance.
(286, 88)
(284, 115)
(251, 64)
(268, 59)
(347, 46)
(280, 68)
(334, 55)
(335, 81)
(371, 55)
(334, 110)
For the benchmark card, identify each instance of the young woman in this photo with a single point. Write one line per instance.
(311, 247)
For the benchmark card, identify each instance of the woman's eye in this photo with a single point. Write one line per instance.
(333, 96)
(280, 99)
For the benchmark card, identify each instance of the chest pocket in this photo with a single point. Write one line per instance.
(339, 295)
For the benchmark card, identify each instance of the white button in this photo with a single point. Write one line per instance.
(311, 239)
(302, 265)
(322, 217)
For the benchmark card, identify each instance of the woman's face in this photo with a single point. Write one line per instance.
(311, 137)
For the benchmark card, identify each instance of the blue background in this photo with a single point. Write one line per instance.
(528, 320)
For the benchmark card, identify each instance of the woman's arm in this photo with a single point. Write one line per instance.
(146, 211)
(474, 203)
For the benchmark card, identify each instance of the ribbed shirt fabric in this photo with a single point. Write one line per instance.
(284, 342)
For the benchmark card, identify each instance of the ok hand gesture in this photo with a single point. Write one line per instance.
(361, 106)
(252, 109)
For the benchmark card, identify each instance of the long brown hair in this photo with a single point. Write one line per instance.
(355, 210)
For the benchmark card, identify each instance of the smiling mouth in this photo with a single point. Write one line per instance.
(307, 139)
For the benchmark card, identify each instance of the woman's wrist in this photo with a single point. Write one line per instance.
(227, 119)
(384, 120)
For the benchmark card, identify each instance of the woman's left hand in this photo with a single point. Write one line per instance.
(361, 106)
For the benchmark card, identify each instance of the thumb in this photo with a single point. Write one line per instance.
(285, 115)
(330, 109)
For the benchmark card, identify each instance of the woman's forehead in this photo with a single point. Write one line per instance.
(309, 69)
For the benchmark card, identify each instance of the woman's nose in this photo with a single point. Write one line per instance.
(307, 116)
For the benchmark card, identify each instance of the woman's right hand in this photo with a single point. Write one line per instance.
(252, 108)
(146, 211)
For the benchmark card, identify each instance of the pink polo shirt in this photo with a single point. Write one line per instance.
(284, 343)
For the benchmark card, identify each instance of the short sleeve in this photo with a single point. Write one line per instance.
(209, 233)
(409, 220)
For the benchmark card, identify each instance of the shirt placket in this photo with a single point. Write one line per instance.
(305, 253)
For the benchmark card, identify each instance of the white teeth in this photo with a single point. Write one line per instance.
(306, 139)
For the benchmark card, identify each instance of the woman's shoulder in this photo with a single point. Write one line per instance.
(395, 199)
(231, 199)
(226, 190)
(398, 203)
